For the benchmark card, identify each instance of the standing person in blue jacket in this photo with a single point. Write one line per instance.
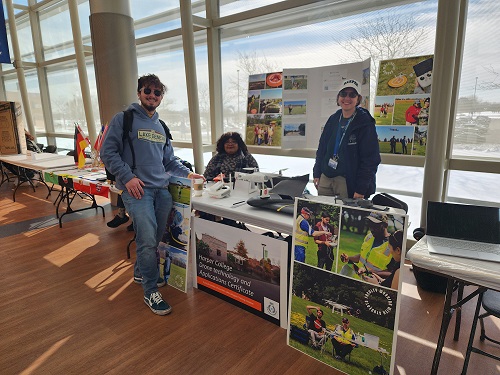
(348, 153)
(145, 186)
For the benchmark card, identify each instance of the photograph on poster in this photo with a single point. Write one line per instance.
(274, 80)
(420, 137)
(242, 266)
(271, 101)
(295, 107)
(295, 82)
(345, 323)
(257, 81)
(371, 246)
(358, 243)
(407, 110)
(412, 75)
(384, 109)
(317, 228)
(294, 130)
(396, 139)
(263, 130)
(173, 266)
(253, 102)
(180, 189)
(178, 226)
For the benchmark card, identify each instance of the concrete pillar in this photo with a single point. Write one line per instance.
(115, 57)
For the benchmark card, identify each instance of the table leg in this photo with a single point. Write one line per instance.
(460, 296)
(445, 321)
(69, 199)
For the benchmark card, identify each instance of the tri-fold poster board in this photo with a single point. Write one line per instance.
(362, 263)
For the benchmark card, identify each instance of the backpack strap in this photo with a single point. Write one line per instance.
(128, 118)
(167, 131)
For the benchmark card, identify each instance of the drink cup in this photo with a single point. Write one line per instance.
(198, 187)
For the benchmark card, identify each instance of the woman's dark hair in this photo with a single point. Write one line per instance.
(236, 137)
(396, 239)
(150, 80)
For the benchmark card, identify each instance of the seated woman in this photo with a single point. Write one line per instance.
(232, 156)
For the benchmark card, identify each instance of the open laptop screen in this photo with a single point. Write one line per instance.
(464, 222)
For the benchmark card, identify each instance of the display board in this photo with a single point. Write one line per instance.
(310, 98)
(12, 138)
(174, 247)
(344, 273)
(402, 104)
(264, 110)
(289, 109)
(242, 267)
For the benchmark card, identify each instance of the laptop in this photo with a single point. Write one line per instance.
(463, 230)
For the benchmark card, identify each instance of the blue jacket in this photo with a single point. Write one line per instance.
(359, 154)
(155, 162)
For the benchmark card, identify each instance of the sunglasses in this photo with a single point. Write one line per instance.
(147, 91)
(351, 94)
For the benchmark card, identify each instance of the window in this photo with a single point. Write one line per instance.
(477, 124)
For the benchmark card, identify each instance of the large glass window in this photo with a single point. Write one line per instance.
(327, 42)
(174, 110)
(477, 126)
(66, 98)
(234, 7)
(57, 37)
(25, 41)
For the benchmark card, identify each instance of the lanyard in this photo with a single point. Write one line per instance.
(338, 140)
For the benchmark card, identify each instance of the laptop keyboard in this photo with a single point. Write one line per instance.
(465, 245)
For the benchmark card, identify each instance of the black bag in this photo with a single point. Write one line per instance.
(128, 118)
(299, 334)
(384, 199)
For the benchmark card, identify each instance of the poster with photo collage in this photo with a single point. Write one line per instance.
(174, 246)
(264, 110)
(402, 104)
(345, 285)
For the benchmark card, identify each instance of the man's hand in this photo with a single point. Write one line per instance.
(193, 175)
(361, 270)
(134, 188)
(344, 258)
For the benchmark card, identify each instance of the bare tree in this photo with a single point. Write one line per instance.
(248, 63)
(493, 84)
(387, 36)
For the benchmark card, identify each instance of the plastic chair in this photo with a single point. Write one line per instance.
(490, 301)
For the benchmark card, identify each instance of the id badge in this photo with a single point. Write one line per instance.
(333, 162)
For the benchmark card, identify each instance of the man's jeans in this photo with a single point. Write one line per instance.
(150, 215)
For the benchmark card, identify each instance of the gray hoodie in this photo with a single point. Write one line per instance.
(154, 160)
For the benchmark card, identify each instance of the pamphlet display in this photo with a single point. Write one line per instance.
(242, 267)
(402, 104)
(350, 293)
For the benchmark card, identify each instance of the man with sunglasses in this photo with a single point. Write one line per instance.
(348, 153)
(142, 173)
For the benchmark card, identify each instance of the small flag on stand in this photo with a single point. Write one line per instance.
(81, 143)
(100, 137)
